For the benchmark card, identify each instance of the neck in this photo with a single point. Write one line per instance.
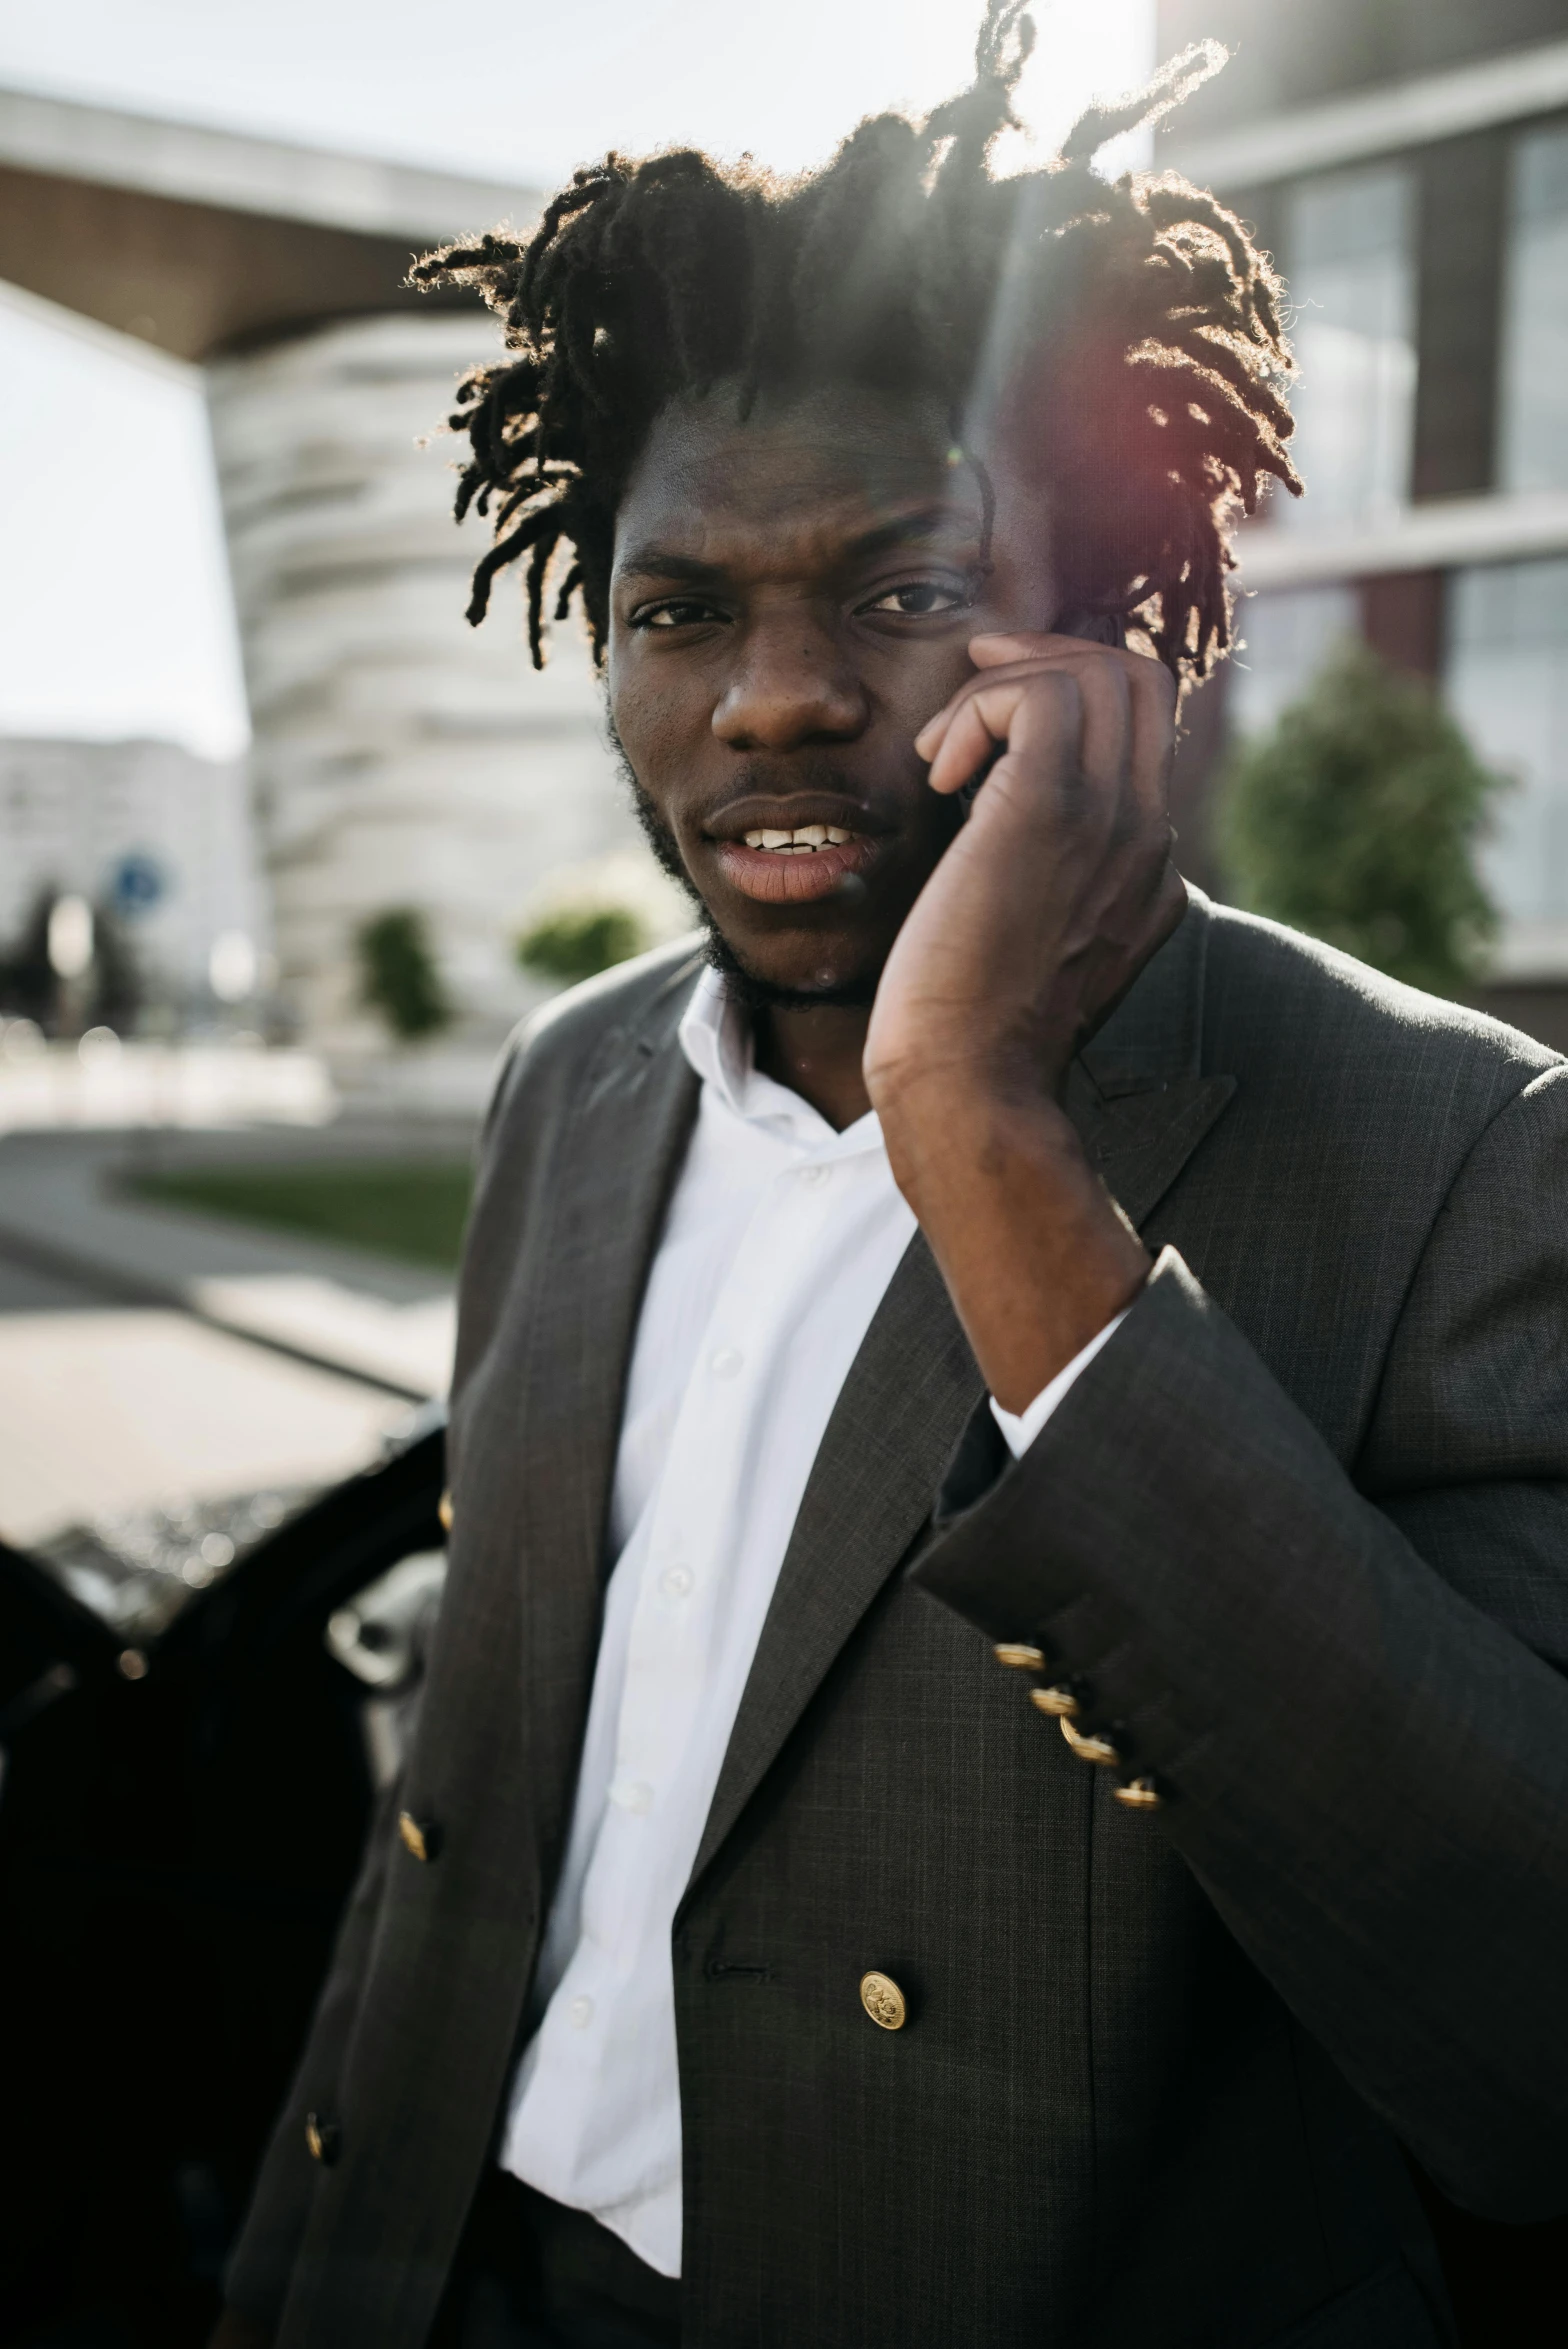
(817, 1053)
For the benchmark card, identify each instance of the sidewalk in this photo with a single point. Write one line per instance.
(338, 1308)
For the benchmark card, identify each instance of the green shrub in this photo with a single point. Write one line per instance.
(398, 974)
(576, 941)
(1356, 819)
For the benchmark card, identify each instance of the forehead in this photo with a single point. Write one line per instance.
(808, 472)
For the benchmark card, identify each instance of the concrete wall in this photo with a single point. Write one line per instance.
(72, 812)
(1284, 56)
(400, 757)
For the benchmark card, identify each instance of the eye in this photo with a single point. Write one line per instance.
(919, 599)
(676, 612)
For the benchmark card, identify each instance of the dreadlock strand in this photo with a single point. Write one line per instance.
(1138, 318)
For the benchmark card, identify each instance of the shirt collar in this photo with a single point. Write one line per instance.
(715, 1036)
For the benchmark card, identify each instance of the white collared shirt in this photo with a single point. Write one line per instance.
(780, 1242)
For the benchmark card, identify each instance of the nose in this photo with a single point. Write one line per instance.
(791, 685)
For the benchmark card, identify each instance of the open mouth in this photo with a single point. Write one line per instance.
(778, 867)
(805, 840)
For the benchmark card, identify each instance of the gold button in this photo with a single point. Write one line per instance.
(1019, 1654)
(1089, 1749)
(419, 1836)
(883, 2001)
(1139, 1794)
(444, 1512)
(1059, 1702)
(321, 2139)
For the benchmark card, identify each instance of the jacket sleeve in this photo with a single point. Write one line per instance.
(1346, 1685)
(257, 2280)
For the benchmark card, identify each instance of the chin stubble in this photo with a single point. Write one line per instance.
(744, 987)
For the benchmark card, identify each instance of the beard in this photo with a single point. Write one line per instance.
(744, 986)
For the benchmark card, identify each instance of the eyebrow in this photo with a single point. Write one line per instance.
(652, 561)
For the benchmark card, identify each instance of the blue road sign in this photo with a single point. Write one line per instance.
(137, 883)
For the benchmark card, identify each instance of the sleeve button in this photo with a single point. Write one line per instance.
(1139, 1794)
(322, 2139)
(1019, 1655)
(883, 2001)
(1087, 1747)
(421, 1838)
(1060, 1702)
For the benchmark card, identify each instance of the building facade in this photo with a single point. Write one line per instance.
(400, 759)
(159, 837)
(1406, 161)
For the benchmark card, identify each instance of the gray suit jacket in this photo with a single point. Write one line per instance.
(1300, 1532)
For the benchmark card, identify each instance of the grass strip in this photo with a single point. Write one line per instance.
(414, 1211)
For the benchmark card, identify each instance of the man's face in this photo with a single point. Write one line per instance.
(793, 597)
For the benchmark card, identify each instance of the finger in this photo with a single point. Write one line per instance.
(1081, 722)
(1045, 709)
(1022, 644)
(1107, 724)
(966, 734)
(1152, 720)
(995, 649)
(1129, 710)
(1025, 657)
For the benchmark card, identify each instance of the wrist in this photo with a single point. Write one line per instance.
(1036, 1254)
(958, 1122)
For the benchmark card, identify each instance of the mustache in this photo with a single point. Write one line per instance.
(760, 778)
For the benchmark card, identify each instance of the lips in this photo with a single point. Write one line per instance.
(774, 877)
(793, 850)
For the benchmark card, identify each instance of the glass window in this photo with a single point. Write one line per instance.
(1533, 402)
(1285, 639)
(1508, 687)
(1352, 292)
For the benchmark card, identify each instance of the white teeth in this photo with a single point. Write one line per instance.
(805, 840)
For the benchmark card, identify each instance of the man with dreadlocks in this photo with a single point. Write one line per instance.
(992, 1746)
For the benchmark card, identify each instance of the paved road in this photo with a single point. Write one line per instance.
(132, 1368)
(62, 1215)
(25, 1290)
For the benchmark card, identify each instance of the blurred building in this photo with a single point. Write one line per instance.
(400, 758)
(1407, 163)
(157, 837)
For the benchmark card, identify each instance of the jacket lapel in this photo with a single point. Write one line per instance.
(621, 1154)
(902, 1410)
(1141, 1105)
(1136, 1093)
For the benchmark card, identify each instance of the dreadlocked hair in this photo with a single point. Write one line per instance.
(1144, 322)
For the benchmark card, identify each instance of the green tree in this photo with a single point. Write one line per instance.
(577, 941)
(1357, 818)
(398, 974)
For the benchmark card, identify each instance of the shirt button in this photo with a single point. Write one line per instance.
(633, 1794)
(813, 1174)
(726, 1363)
(580, 2013)
(675, 1581)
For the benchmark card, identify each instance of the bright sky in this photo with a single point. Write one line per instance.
(114, 605)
